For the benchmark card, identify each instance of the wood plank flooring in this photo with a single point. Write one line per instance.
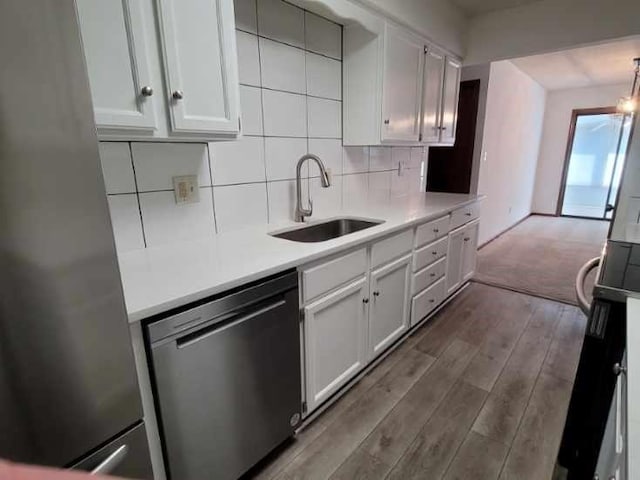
(480, 392)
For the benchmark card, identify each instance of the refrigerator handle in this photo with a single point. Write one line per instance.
(111, 462)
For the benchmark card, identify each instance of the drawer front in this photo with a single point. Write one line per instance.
(424, 303)
(432, 231)
(429, 254)
(428, 275)
(392, 247)
(464, 215)
(332, 274)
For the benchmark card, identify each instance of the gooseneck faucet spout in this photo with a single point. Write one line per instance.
(302, 212)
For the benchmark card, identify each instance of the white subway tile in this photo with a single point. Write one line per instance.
(125, 220)
(282, 155)
(251, 108)
(326, 201)
(240, 206)
(282, 200)
(117, 169)
(325, 118)
(329, 151)
(157, 163)
(355, 190)
(380, 159)
(324, 76)
(240, 161)
(417, 156)
(323, 36)
(246, 19)
(285, 114)
(416, 181)
(379, 187)
(248, 59)
(282, 66)
(167, 222)
(400, 155)
(281, 21)
(355, 159)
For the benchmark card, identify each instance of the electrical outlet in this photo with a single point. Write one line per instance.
(186, 190)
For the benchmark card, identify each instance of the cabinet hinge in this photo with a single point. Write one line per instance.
(426, 49)
(304, 407)
(420, 137)
(239, 124)
(301, 315)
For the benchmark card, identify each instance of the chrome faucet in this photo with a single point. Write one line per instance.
(324, 179)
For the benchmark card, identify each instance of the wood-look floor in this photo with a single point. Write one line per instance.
(542, 255)
(480, 392)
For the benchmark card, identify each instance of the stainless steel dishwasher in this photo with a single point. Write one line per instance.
(226, 376)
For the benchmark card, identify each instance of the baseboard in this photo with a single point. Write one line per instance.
(506, 230)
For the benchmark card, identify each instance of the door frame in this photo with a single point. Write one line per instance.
(575, 113)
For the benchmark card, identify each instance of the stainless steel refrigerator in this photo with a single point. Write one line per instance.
(68, 389)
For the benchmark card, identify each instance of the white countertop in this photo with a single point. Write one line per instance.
(162, 278)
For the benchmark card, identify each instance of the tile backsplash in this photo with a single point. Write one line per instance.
(290, 72)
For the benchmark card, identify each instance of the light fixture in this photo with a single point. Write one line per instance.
(629, 105)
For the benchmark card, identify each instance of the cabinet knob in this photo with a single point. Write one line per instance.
(376, 294)
(466, 239)
(432, 300)
(435, 230)
(365, 300)
(434, 253)
(443, 128)
(618, 369)
(386, 122)
(432, 275)
(146, 91)
(177, 95)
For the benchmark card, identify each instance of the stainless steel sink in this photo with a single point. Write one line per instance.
(320, 232)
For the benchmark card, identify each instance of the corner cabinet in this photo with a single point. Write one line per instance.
(162, 69)
(398, 89)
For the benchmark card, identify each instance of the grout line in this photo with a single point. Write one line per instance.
(291, 92)
(135, 181)
(297, 47)
(213, 202)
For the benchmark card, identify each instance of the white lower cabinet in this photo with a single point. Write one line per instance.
(335, 340)
(462, 254)
(389, 311)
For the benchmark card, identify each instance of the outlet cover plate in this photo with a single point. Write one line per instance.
(186, 189)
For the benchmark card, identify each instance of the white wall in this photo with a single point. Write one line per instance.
(549, 25)
(512, 131)
(555, 132)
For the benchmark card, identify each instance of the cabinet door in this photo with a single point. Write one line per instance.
(469, 250)
(454, 260)
(450, 101)
(389, 313)
(402, 82)
(200, 60)
(335, 332)
(432, 96)
(113, 37)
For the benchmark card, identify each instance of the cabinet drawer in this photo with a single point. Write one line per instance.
(426, 301)
(432, 230)
(392, 247)
(329, 275)
(429, 254)
(428, 275)
(464, 215)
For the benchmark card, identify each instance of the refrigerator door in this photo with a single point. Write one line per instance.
(127, 457)
(67, 375)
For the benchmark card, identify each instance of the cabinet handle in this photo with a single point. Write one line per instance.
(386, 122)
(466, 239)
(178, 95)
(435, 230)
(443, 128)
(432, 275)
(365, 300)
(619, 369)
(432, 300)
(468, 214)
(376, 294)
(434, 253)
(146, 91)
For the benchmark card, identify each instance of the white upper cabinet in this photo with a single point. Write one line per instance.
(198, 37)
(398, 89)
(116, 50)
(450, 101)
(403, 60)
(162, 69)
(432, 96)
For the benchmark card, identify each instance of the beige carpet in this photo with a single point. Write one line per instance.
(542, 255)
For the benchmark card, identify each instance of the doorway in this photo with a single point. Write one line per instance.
(594, 160)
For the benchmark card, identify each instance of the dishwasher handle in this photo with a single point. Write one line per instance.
(234, 319)
(583, 302)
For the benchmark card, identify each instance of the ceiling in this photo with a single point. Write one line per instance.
(605, 64)
(472, 8)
